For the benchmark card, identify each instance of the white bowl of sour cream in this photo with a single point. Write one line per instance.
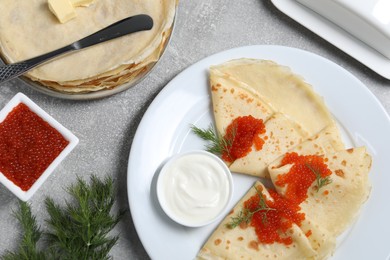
(194, 188)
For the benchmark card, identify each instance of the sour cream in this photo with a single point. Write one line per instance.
(194, 188)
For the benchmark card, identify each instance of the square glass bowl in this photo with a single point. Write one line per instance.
(69, 136)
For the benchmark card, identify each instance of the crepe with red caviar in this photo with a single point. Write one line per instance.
(279, 88)
(318, 186)
(288, 106)
(302, 216)
(232, 99)
(326, 141)
(305, 240)
(338, 202)
(281, 134)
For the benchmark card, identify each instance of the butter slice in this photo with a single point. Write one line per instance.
(84, 3)
(62, 9)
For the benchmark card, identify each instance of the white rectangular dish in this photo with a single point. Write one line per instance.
(338, 36)
(366, 20)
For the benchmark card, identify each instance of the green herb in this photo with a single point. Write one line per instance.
(218, 145)
(246, 214)
(320, 181)
(32, 233)
(78, 230)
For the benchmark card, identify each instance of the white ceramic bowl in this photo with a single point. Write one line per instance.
(368, 20)
(73, 141)
(194, 188)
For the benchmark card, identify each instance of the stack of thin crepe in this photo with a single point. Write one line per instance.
(29, 29)
(296, 120)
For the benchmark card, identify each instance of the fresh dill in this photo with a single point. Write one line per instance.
(77, 230)
(32, 234)
(218, 145)
(245, 215)
(320, 181)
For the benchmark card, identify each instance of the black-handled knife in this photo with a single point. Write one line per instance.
(123, 27)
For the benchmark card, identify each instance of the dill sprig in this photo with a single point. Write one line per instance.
(320, 181)
(80, 229)
(32, 234)
(245, 215)
(77, 230)
(218, 145)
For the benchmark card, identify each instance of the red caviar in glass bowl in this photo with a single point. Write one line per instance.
(32, 144)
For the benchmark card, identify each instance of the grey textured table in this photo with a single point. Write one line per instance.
(106, 127)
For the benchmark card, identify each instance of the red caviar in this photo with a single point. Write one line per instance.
(28, 145)
(308, 233)
(243, 132)
(301, 175)
(272, 224)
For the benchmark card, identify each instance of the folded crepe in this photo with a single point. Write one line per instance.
(29, 29)
(296, 121)
(281, 135)
(271, 92)
(232, 98)
(327, 213)
(241, 242)
(338, 203)
(279, 88)
(327, 141)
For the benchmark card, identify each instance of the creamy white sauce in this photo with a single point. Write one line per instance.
(196, 188)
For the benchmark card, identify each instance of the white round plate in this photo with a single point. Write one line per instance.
(165, 131)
